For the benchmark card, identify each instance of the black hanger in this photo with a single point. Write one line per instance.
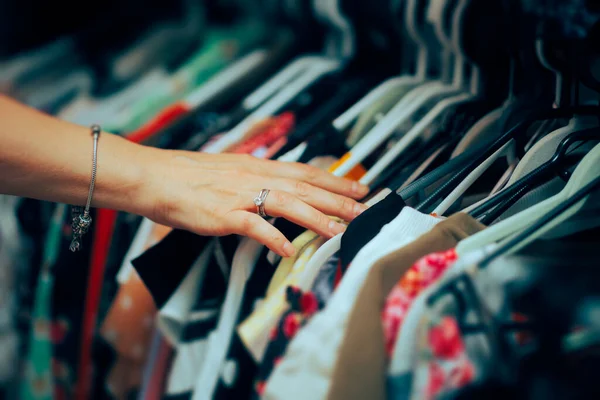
(546, 219)
(517, 133)
(508, 197)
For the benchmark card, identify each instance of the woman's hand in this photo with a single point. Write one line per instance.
(212, 194)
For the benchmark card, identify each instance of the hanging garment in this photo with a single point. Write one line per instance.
(301, 307)
(128, 327)
(447, 359)
(67, 296)
(220, 48)
(363, 342)
(399, 380)
(256, 329)
(367, 225)
(310, 358)
(38, 381)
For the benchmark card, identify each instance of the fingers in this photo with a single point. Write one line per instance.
(282, 204)
(247, 224)
(319, 178)
(277, 169)
(327, 202)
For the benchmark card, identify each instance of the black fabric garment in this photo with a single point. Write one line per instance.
(367, 225)
(239, 384)
(210, 299)
(328, 142)
(203, 318)
(164, 266)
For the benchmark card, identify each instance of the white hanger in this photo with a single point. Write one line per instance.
(479, 130)
(341, 42)
(271, 106)
(347, 118)
(399, 114)
(420, 127)
(86, 110)
(587, 171)
(541, 152)
(282, 78)
(225, 78)
(507, 150)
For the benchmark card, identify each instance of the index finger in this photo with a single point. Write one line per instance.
(319, 178)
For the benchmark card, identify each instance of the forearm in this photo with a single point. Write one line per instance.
(44, 158)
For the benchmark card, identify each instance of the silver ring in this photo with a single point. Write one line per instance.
(259, 202)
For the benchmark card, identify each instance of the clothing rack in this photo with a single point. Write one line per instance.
(446, 287)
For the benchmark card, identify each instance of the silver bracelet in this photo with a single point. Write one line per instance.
(81, 219)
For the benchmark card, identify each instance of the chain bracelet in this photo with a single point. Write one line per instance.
(81, 219)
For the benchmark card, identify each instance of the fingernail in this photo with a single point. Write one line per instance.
(288, 249)
(336, 228)
(359, 208)
(358, 188)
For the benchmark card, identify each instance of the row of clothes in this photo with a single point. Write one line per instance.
(433, 292)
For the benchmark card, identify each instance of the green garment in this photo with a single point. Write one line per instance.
(221, 47)
(37, 383)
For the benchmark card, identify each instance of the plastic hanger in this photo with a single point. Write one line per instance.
(399, 114)
(201, 96)
(587, 171)
(272, 105)
(213, 56)
(284, 77)
(421, 126)
(493, 154)
(539, 175)
(410, 16)
(340, 43)
(541, 152)
(86, 109)
(491, 151)
(552, 218)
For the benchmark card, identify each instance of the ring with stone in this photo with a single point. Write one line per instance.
(259, 202)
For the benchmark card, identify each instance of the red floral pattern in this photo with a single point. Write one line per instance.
(445, 362)
(444, 339)
(303, 305)
(422, 274)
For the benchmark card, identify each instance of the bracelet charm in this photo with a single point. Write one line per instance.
(80, 217)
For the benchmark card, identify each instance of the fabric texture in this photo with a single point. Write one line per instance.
(363, 342)
(367, 225)
(38, 382)
(302, 305)
(307, 367)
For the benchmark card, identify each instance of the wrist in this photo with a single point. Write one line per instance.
(121, 174)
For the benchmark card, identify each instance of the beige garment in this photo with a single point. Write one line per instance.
(360, 368)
